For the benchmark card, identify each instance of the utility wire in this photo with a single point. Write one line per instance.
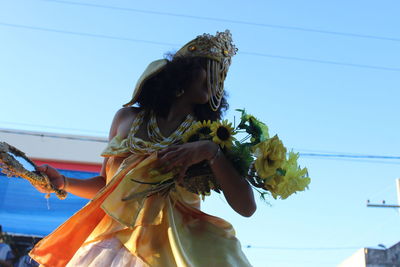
(89, 139)
(102, 36)
(349, 156)
(320, 61)
(302, 248)
(357, 160)
(127, 39)
(357, 156)
(264, 25)
(326, 156)
(322, 151)
(53, 127)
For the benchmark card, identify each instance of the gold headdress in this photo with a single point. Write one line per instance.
(218, 49)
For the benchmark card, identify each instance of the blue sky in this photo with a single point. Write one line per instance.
(324, 75)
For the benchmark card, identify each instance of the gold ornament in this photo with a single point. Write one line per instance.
(14, 162)
(218, 49)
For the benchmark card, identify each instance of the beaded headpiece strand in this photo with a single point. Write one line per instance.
(218, 49)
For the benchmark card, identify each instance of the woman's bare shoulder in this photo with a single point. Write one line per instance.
(125, 112)
(122, 121)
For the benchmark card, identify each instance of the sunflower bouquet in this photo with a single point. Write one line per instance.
(262, 160)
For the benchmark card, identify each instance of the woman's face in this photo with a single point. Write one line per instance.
(198, 92)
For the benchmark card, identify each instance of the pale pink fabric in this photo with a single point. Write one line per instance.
(105, 253)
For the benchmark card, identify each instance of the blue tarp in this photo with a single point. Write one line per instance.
(25, 210)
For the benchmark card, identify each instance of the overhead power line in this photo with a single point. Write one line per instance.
(102, 36)
(54, 127)
(128, 39)
(264, 25)
(326, 156)
(49, 135)
(302, 248)
(349, 156)
(321, 61)
(352, 158)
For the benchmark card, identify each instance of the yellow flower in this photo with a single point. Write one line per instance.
(198, 131)
(191, 134)
(294, 179)
(270, 155)
(222, 133)
(204, 128)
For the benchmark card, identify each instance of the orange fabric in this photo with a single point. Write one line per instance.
(57, 249)
(161, 230)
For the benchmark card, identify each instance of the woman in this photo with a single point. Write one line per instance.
(122, 226)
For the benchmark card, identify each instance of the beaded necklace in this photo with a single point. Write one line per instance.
(156, 140)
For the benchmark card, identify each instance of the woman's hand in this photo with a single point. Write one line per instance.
(236, 189)
(56, 178)
(185, 155)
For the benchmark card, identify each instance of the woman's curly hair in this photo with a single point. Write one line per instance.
(159, 92)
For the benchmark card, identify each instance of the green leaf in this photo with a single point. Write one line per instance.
(241, 157)
(281, 172)
(257, 129)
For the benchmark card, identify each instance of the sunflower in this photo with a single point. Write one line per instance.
(222, 133)
(204, 129)
(190, 136)
(198, 131)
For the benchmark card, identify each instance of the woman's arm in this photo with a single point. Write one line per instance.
(86, 188)
(236, 189)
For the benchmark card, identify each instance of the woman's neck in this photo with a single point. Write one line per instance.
(179, 110)
(176, 115)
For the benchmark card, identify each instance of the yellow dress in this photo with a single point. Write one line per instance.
(160, 230)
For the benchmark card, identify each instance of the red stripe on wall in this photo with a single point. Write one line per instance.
(72, 166)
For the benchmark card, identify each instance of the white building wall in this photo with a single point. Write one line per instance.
(56, 147)
(355, 260)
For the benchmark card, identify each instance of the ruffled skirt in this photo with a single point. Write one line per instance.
(157, 230)
(105, 253)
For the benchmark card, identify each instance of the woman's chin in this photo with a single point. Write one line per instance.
(204, 101)
(200, 100)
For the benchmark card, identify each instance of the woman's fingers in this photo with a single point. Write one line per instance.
(168, 158)
(164, 151)
(181, 175)
(48, 170)
(171, 160)
(54, 176)
(41, 189)
(42, 168)
(181, 164)
(175, 162)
